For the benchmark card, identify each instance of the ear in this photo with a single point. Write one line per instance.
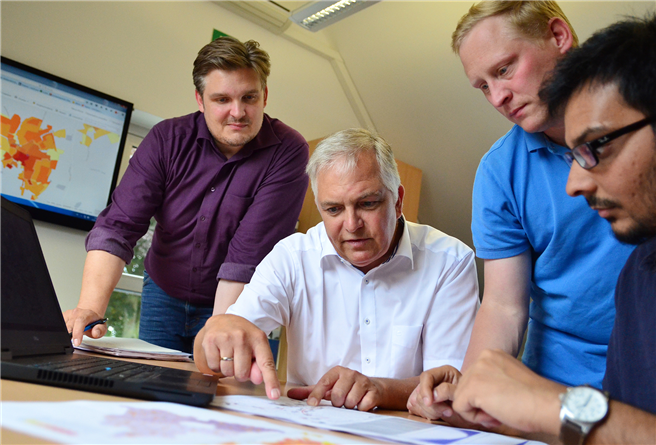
(399, 202)
(266, 95)
(199, 100)
(561, 34)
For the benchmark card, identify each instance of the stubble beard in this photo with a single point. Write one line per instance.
(644, 226)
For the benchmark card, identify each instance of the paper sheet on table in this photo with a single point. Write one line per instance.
(131, 347)
(365, 424)
(88, 422)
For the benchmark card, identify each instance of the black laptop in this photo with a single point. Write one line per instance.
(36, 346)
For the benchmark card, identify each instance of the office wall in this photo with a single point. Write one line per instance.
(143, 52)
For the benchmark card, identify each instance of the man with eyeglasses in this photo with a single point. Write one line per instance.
(550, 263)
(607, 93)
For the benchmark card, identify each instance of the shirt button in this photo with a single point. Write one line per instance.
(197, 245)
(202, 218)
(366, 281)
(368, 360)
(213, 189)
(367, 321)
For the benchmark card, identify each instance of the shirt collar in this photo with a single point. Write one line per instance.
(537, 141)
(403, 248)
(649, 261)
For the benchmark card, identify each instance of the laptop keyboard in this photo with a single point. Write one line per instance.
(110, 369)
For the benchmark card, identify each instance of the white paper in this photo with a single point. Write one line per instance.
(89, 422)
(366, 424)
(131, 347)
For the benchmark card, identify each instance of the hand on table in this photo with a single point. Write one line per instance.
(343, 387)
(77, 319)
(231, 336)
(433, 396)
(498, 389)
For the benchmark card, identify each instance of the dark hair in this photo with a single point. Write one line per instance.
(623, 54)
(229, 54)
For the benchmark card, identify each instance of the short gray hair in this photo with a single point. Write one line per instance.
(344, 148)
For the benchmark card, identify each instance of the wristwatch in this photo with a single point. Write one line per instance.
(581, 409)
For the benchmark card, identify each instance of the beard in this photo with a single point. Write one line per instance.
(237, 140)
(643, 226)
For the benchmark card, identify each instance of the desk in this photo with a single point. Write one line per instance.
(20, 391)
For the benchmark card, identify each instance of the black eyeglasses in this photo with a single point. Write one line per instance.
(587, 154)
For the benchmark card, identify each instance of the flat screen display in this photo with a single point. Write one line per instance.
(62, 145)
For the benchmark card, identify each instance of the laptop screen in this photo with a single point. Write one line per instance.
(32, 321)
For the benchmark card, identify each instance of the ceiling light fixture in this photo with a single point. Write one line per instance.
(320, 14)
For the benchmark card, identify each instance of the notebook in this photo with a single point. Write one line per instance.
(36, 346)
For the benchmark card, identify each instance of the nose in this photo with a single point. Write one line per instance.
(353, 222)
(579, 181)
(238, 109)
(499, 95)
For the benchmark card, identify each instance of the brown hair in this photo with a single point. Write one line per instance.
(229, 54)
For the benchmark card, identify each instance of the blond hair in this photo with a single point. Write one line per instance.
(529, 18)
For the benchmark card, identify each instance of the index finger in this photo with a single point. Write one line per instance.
(78, 329)
(432, 378)
(324, 385)
(264, 360)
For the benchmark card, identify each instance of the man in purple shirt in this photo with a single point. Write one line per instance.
(224, 185)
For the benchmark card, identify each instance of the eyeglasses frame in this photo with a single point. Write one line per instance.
(594, 145)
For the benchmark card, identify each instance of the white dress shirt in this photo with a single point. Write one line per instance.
(412, 313)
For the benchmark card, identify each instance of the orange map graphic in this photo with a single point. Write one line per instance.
(97, 132)
(26, 144)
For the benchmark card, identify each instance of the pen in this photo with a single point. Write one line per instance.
(93, 323)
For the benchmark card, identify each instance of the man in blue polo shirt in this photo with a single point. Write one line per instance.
(606, 90)
(549, 260)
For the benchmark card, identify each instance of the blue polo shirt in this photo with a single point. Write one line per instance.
(520, 204)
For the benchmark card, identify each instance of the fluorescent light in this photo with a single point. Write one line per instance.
(320, 14)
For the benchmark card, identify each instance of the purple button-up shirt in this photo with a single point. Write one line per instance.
(217, 218)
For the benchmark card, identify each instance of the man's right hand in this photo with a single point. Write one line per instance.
(77, 319)
(247, 345)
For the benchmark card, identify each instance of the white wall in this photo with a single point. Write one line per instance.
(143, 52)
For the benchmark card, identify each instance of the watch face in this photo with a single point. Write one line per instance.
(585, 404)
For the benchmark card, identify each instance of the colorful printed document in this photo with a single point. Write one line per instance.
(365, 424)
(86, 422)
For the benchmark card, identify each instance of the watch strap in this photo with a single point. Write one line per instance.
(571, 433)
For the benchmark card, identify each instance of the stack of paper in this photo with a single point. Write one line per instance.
(131, 347)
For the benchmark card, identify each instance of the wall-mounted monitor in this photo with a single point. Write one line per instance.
(62, 145)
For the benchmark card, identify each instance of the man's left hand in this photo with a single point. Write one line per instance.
(343, 387)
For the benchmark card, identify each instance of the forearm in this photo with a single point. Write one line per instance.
(502, 317)
(395, 392)
(626, 425)
(496, 327)
(227, 292)
(102, 271)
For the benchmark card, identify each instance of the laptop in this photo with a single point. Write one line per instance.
(36, 345)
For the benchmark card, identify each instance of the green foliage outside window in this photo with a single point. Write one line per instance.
(123, 314)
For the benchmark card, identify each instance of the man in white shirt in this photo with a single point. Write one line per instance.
(369, 300)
